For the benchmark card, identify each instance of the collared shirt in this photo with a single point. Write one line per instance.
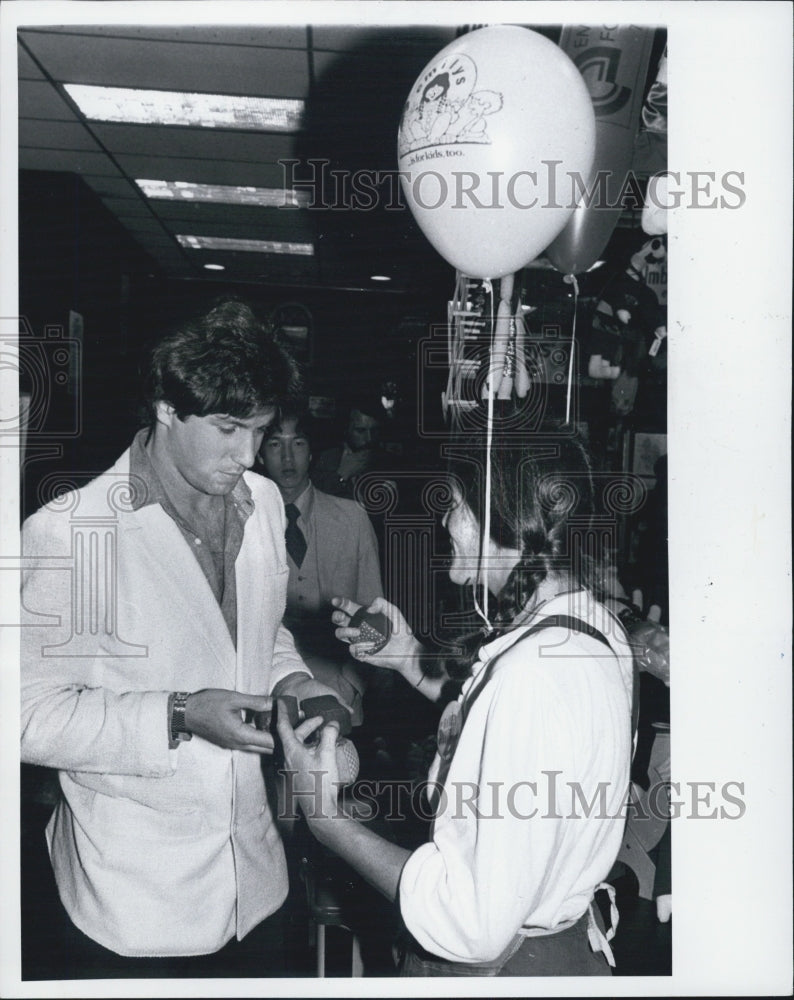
(217, 566)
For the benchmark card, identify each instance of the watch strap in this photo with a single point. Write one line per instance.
(177, 728)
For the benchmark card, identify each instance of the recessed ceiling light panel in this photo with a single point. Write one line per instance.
(167, 107)
(224, 194)
(247, 246)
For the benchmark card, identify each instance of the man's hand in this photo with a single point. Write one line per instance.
(216, 715)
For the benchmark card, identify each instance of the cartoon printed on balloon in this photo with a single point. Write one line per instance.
(443, 107)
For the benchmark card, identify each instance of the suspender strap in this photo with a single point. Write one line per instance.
(552, 621)
(569, 622)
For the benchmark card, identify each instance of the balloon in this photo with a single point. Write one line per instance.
(489, 133)
(613, 62)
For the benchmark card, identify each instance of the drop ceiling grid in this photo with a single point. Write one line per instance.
(256, 60)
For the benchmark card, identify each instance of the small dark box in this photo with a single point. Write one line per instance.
(267, 720)
(373, 627)
(331, 711)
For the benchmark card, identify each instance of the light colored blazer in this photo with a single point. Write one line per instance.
(347, 550)
(155, 851)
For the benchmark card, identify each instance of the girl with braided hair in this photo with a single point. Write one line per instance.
(529, 783)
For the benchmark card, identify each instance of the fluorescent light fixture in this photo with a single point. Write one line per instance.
(214, 267)
(174, 107)
(224, 194)
(379, 277)
(247, 246)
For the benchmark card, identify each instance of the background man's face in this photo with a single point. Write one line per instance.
(210, 453)
(286, 455)
(362, 431)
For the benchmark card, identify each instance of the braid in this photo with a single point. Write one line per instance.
(527, 575)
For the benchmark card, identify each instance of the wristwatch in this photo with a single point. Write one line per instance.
(179, 731)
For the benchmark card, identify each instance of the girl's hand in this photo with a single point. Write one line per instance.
(311, 772)
(398, 653)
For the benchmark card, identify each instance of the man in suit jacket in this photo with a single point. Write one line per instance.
(153, 610)
(331, 552)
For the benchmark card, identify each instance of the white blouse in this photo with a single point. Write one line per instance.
(532, 811)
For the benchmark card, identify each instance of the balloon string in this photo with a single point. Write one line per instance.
(575, 284)
(486, 526)
(505, 291)
(456, 335)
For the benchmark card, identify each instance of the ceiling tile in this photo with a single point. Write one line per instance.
(26, 67)
(152, 239)
(39, 99)
(128, 207)
(56, 135)
(143, 224)
(273, 229)
(212, 144)
(277, 36)
(351, 38)
(112, 187)
(64, 159)
(202, 171)
(126, 62)
(179, 211)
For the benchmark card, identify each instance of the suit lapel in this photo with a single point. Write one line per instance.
(169, 557)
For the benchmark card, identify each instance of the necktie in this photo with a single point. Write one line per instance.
(296, 543)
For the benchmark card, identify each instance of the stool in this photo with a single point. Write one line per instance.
(325, 893)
